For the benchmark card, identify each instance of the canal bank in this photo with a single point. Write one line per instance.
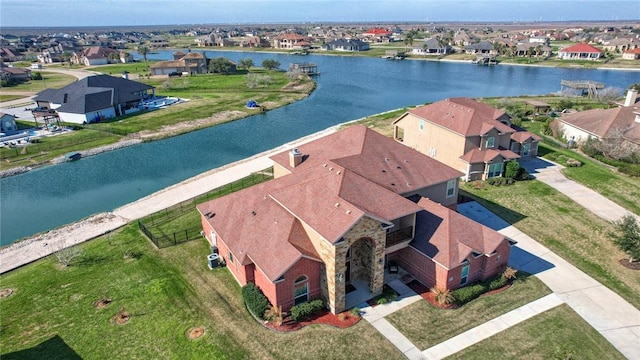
(44, 244)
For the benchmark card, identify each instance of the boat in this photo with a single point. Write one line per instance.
(73, 156)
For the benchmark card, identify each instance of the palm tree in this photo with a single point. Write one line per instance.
(144, 50)
(408, 41)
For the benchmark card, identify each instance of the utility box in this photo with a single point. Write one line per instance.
(213, 260)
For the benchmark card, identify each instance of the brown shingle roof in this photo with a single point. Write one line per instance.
(449, 238)
(464, 116)
(601, 122)
(374, 157)
(522, 136)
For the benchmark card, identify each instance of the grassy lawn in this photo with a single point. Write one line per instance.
(426, 325)
(51, 147)
(10, 97)
(167, 292)
(559, 333)
(50, 81)
(568, 229)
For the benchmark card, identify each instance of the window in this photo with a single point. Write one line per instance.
(300, 290)
(421, 124)
(451, 188)
(491, 142)
(230, 257)
(495, 170)
(464, 275)
(432, 152)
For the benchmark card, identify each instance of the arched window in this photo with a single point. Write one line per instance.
(301, 290)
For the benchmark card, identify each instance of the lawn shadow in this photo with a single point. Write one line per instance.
(523, 260)
(53, 348)
(488, 213)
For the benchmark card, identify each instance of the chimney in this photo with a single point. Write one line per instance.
(631, 97)
(295, 158)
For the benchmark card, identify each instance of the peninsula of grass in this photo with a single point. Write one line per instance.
(426, 325)
(558, 333)
(212, 99)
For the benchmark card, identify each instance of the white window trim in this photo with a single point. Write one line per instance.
(451, 185)
(493, 142)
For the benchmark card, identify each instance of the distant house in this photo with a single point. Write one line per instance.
(602, 123)
(431, 47)
(469, 136)
(340, 210)
(631, 54)
(346, 45)
(158, 42)
(291, 41)
(10, 55)
(97, 55)
(482, 47)
(11, 73)
(581, 51)
(94, 98)
(377, 35)
(254, 42)
(190, 63)
(7, 123)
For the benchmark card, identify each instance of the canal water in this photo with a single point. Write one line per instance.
(348, 88)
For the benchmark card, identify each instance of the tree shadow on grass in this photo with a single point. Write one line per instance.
(53, 348)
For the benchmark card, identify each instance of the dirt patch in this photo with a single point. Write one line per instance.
(341, 321)
(186, 126)
(101, 303)
(196, 332)
(122, 317)
(630, 265)
(5, 293)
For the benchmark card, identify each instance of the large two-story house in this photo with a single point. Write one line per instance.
(469, 136)
(339, 210)
(189, 63)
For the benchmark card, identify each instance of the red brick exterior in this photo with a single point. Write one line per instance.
(281, 292)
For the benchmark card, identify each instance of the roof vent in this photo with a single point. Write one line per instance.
(348, 212)
(336, 204)
(393, 184)
(295, 158)
(338, 172)
(253, 213)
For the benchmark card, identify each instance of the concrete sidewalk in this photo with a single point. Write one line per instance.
(491, 327)
(607, 312)
(550, 174)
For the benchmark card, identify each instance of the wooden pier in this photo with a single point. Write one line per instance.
(583, 87)
(305, 68)
(486, 60)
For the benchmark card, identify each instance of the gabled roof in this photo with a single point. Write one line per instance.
(93, 93)
(485, 156)
(450, 238)
(463, 116)
(522, 136)
(375, 157)
(600, 122)
(581, 48)
(376, 32)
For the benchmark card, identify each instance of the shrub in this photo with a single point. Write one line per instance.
(573, 163)
(522, 174)
(443, 296)
(497, 283)
(301, 311)
(630, 169)
(355, 311)
(511, 169)
(382, 300)
(500, 181)
(591, 147)
(274, 313)
(510, 273)
(468, 293)
(255, 300)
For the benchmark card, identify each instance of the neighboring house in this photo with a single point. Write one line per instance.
(291, 41)
(190, 63)
(254, 42)
(431, 47)
(602, 123)
(346, 45)
(469, 136)
(7, 123)
(631, 54)
(482, 47)
(338, 211)
(10, 55)
(97, 55)
(94, 98)
(158, 42)
(377, 35)
(11, 73)
(581, 51)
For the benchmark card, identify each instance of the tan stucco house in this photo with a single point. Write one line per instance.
(467, 135)
(339, 210)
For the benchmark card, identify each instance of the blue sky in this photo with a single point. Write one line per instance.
(169, 12)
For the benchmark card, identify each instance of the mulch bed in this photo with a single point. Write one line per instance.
(196, 332)
(426, 294)
(101, 303)
(633, 265)
(342, 320)
(5, 293)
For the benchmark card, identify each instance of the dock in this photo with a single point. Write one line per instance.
(582, 87)
(305, 68)
(486, 60)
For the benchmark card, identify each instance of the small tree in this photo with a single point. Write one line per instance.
(442, 296)
(245, 64)
(220, 65)
(65, 255)
(270, 64)
(144, 50)
(627, 236)
(511, 169)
